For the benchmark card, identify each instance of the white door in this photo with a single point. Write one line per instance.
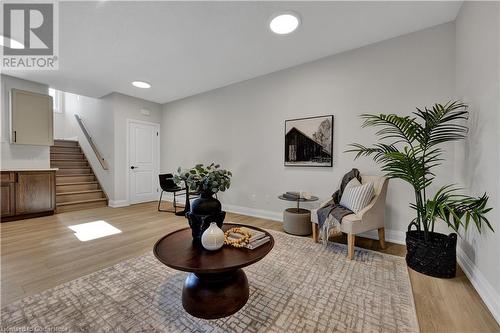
(144, 161)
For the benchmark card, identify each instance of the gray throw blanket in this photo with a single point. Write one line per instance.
(333, 207)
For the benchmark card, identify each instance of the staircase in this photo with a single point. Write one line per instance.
(77, 187)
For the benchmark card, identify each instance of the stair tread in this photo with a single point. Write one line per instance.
(74, 160)
(78, 183)
(81, 201)
(74, 167)
(79, 192)
(67, 140)
(56, 145)
(64, 153)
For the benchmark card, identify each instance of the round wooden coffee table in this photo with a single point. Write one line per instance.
(216, 286)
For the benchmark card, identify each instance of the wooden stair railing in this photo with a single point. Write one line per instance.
(101, 159)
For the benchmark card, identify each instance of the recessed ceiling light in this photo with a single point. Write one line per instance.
(141, 84)
(284, 23)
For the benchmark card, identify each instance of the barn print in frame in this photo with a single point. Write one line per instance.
(309, 141)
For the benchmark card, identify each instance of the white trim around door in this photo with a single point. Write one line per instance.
(143, 161)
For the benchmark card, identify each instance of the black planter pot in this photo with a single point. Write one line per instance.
(435, 257)
(203, 211)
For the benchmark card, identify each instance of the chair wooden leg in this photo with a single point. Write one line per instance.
(315, 230)
(381, 237)
(351, 238)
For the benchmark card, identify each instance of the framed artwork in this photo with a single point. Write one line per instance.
(309, 142)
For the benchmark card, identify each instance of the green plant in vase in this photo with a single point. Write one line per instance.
(206, 180)
(203, 178)
(410, 148)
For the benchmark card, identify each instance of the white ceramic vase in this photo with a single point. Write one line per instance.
(213, 238)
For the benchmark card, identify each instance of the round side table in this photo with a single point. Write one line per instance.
(297, 221)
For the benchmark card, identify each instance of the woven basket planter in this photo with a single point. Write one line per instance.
(435, 257)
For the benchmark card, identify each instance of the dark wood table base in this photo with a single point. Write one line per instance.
(215, 295)
(216, 286)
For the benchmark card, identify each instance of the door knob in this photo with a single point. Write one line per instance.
(133, 167)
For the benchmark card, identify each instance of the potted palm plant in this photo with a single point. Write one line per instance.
(410, 147)
(206, 180)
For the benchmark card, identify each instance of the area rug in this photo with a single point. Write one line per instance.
(300, 286)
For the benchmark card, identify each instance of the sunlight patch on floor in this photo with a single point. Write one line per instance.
(93, 230)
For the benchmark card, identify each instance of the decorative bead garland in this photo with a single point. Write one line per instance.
(241, 242)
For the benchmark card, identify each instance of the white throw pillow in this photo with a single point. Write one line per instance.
(356, 198)
(352, 182)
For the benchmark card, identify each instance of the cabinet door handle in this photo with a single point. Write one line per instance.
(15, 136)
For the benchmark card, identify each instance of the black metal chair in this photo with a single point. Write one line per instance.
(167, 184)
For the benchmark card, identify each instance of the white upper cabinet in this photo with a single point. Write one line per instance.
(31, 118)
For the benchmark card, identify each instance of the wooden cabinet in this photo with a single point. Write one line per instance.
(7, 195)
(31, 118)
(34, 192)
(27, 194)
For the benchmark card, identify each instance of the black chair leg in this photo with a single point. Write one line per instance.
(175, 203)
(159, 201)
(165, 210)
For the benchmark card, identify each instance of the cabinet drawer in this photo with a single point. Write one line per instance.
(7, 177)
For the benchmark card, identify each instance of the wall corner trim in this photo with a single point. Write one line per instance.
(485, 290)
(118, 203)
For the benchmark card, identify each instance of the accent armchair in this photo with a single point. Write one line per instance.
(369, 218)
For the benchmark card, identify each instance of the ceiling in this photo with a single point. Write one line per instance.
(185, 48)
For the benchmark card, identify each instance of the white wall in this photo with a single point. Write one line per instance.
(106, 121)
(478, 158)
(97, 114)
(127, 107)
(242, 126)
(19, 156)
(59, 125)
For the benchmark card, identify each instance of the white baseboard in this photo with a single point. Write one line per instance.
(393, 236)
(118, 203)
(169, 197)
(485, 290)
(260, 213)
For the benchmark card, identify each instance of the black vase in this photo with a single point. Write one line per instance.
(203, 211)
(436, 256)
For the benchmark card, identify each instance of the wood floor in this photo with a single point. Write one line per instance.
(41, 253)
